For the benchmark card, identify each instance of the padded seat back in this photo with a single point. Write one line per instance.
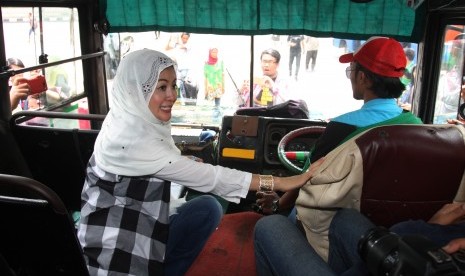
(37, 235)
(410, 171)
(56, 156)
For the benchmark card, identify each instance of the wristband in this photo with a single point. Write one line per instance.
(266, 183)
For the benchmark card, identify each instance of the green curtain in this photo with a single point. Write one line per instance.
(336, 18)
(201, 16)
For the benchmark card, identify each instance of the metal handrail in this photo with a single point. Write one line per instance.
(11, 72)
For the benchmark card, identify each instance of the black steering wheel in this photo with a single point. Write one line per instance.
(286, 156)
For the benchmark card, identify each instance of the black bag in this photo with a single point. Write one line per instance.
(290, 109)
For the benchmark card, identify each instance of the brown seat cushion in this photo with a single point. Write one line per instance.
(409, 172)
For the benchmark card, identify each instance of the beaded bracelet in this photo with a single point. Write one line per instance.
(266, 183)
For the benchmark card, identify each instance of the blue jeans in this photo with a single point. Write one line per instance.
(189, 230)
(345, 231)
(282, 249)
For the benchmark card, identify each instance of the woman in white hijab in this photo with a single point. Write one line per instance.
(125, 217)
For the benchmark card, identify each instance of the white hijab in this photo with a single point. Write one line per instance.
(132, 142)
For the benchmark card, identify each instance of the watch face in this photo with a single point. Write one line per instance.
(275, 206)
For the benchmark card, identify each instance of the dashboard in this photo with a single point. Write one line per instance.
(250, 142)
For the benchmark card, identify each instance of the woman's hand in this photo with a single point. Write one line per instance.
(294, 182)
(19, 91)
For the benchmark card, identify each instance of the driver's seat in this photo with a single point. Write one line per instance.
(390, 173)
(410, 172)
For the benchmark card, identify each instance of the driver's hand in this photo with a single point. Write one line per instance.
(455, 245)
(265, 201)
(449, 214)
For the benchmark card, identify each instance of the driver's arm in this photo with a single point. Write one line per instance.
(287, 200)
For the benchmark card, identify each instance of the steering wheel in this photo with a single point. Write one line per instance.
(286, 156)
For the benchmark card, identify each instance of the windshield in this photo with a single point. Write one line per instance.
(214, 72)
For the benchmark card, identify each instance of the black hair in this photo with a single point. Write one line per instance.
(188, 34)
(383, 87)
(14, 61)
(272, 52)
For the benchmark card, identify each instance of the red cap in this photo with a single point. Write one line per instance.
(381, 55)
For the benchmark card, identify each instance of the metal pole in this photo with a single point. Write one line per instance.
(11, 72)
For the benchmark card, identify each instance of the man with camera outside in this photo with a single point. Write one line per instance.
(293, 255)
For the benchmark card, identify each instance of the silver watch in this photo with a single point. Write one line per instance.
(275, 206)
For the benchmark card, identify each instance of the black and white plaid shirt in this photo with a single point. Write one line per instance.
(124, 223)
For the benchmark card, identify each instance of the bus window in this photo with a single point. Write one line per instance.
(325, 90)
(37, 35)
(193, 105)
(451, 75)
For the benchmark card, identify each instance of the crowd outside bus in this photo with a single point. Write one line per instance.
(308, 88)
(235, 51)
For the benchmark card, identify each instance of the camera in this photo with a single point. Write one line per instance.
(37, 84)
(386, 253)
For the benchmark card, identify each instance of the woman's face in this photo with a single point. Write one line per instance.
(164, 96)
(214, 53)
